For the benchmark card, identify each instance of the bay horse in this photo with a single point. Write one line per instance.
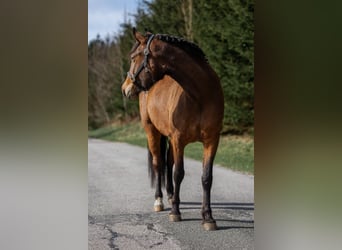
(180, 101)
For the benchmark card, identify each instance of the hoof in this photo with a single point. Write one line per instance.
(209, 226)
(175, 217)
(158, 208)
(158, 205)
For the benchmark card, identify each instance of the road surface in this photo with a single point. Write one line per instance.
(121, 204)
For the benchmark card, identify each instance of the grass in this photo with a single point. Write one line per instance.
(234, 152)
(132, 133)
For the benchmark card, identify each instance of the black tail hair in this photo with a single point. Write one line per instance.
(163, 153)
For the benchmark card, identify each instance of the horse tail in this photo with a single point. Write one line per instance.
(161, 170)
(150, 166)
(163, 153)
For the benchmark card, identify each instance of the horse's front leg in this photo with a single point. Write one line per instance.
(156, 164)
(158, 203)
(156, 178)
(207, 178)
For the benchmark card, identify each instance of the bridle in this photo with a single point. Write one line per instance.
(142, 66)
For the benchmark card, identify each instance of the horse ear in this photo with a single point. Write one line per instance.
(138, 36)
(148, 32)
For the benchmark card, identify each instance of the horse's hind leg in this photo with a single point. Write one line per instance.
(207, 177)
(178, 152)
(169, 179)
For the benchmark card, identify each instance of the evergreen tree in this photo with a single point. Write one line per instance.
(160, 16)
(224, 29)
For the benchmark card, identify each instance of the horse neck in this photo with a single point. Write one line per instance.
(197, 78)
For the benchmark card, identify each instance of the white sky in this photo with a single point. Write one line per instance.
(105, 16)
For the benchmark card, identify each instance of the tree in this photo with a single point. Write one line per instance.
(224, 29)
(160, 16)
(107, 65)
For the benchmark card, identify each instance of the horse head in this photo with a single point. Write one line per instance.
(145, 69)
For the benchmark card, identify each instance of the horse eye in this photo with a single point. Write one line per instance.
(133, 59)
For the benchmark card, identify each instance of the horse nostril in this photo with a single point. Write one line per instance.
(123, 92)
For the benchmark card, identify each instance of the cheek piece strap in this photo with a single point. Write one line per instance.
(142, 66)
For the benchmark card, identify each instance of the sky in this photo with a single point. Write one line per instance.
(105, 16)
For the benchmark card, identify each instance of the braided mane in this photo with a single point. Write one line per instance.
(189, 47)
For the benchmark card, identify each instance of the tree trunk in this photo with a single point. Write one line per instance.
(187, 8)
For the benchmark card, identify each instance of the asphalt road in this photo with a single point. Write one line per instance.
(120, 205)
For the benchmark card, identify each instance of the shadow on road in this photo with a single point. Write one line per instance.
(215, 205)
(233, 227)
(233, 223)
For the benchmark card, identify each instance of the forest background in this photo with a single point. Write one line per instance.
(224, 29)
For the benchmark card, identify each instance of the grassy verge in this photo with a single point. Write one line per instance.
(132, 133)
(235, 152)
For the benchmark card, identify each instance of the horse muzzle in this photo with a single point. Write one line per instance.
(129, 90)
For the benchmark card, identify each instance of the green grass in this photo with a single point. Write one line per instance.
(132, 133)
(235, 152)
